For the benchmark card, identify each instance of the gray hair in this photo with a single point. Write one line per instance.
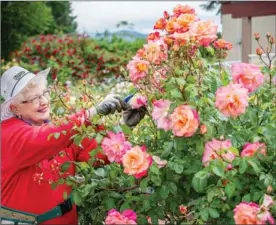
(35, 82)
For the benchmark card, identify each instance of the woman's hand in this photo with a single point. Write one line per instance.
(109, 105)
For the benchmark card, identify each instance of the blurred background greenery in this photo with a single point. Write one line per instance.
(37, 35)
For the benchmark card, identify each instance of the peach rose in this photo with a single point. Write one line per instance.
(183, 22)
(246, 213)
(138, 69)
(249, 149)
(160, 24)
(205, 32)
(232, 100)
(182, 9)
(185, 121)
(137, 161)
(222, 44)
(248, 75)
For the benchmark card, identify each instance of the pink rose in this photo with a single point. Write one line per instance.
(264, 214)
(185, 121)
(232, 100)
(137, 161)
(217, 149)
(160, 114)
(138, 102)
(138, 69)
(246, 213)
(115, 146)
(116, 218)
(249, 149)
(248, 75)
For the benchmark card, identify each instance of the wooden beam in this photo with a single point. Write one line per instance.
(246, 38)
(249, 9)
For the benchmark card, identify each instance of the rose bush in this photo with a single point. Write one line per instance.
(75, 57)
(206, 150)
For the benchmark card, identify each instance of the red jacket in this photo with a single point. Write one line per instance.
(27, 154)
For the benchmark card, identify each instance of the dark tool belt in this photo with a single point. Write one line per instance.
(17, 216)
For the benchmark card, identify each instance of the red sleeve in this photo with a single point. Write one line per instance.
(82, 154)
(29, 145)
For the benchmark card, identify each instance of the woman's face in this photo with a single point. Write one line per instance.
(35, 106)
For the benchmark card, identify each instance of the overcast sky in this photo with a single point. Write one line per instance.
(97, 16)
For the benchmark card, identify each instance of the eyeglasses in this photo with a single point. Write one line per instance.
(37, 100)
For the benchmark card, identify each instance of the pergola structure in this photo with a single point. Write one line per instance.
(245, 11)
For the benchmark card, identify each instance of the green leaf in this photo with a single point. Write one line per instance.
(164, 192)
(56, 135)
(124, 206)
(213, 213)
(167, 149)
(230, 189)
(100, 172)
(243, 165)
(142, 219)
(219, 171)
(77, 140)
(199, 181)
(99, 138)
(154, 168)
(180, 81)
(173, 188)
(246, 198)
(204, 215)
(178, 168)
(234, 151)
(156, 180)
(76, 197)
(146, 205)
(144, 184)
(65, 166)
(256, 166)
(109, 203)
(126, 129)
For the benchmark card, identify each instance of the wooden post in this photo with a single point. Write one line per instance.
(246, 38)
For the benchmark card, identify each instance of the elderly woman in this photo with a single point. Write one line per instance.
(28, 154)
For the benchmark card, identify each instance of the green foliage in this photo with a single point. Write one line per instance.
(21, 20)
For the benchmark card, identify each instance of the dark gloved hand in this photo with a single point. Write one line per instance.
(132, 117)
(110, 104)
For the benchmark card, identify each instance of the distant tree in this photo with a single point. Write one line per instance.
(124, 23)
(20, 20)
(211, 6)
(62, 13)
